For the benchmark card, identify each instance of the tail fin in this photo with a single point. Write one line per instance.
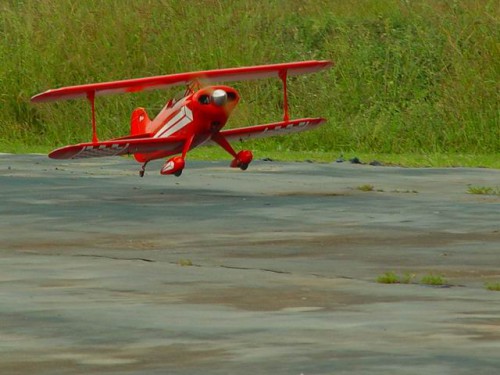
(139, 122)
(138, 125)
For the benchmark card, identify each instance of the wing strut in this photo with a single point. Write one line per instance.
(91, 98)
(282, 75)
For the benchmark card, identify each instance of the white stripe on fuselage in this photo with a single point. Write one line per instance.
(187, 119)
(181, 119)
(170, 123)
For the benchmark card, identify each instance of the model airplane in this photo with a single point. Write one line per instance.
(194, 120)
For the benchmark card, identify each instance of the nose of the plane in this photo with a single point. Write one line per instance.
(219, 97)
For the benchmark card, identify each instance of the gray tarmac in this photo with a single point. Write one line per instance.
(268, 271)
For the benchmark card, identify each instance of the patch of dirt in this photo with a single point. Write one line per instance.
(97, 360)
(399, 239)
(276, 299)
(481, 329)
(316, 244)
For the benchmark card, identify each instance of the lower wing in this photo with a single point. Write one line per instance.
(116, 147)
(269, 130)
(145, 144)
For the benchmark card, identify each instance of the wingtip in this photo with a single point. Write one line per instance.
(327, 63)
(41, 97)
(34, 98)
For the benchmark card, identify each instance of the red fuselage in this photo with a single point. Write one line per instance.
(200, 115)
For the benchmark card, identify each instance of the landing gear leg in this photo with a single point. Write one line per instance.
(143, 169)
(185, 150)
(222, 142)
(241, 159)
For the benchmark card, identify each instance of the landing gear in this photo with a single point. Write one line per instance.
(143, 169)
(173, 166)
(176, 164)
(241, 159)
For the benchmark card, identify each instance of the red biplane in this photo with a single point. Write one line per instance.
(194, 120)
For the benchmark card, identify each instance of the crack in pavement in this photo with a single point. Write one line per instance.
(113, 258)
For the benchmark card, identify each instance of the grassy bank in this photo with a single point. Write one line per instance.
(403, 160)
(411, 77)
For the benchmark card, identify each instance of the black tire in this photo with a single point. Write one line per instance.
(243, 166)
(178, 173)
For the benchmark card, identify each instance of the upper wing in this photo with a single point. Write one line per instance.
(115, 147)
(269, 130)
(158, 82)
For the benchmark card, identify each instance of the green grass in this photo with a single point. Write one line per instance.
(388, 278)
(216, 153)
(404, 160)
(366, 187)
(484, 190)
(408, 278)
(434, 280)
(393, 278)
(185, 262)
(416, 80)
(495, 287)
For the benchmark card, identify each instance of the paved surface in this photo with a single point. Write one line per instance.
(268, 271)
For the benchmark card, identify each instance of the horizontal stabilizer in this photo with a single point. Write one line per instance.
(161, 82)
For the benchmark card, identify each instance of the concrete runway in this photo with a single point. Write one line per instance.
(268, 271)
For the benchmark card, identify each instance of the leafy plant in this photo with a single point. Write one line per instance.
(493, 286)
(185, 262)
(431, 279)
(407, 278)
(483, 190)
(366, 187)
(388, 278)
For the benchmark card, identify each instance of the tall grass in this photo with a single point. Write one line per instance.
(410, 76)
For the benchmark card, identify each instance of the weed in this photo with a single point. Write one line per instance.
(185, 262)
(366, 187)
(407, 278)
(484, 190)
(493, 286)
(388, 278)
(393, 278)
(432, 280)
